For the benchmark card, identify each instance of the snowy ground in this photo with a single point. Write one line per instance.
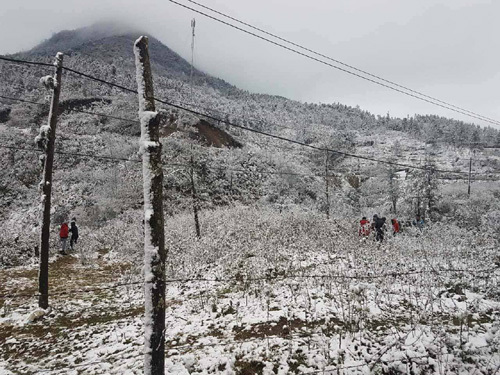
(268, 293)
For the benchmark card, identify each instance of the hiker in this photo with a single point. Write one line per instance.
(364, 227)
(378, 226)
(63, 235)
(395, 226)
(418, 222)
(74, 233)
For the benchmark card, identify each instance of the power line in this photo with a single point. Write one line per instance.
(264, 133)
(482, 118)
(137, 122)
(19, 61)
(100, 114)
(339, 62)
(123, 87)
(259, 121)
(205, 108)
(135, 92)
(222, 168)
(72, 154)
(182, 102)
(178, 106)
(100, 80)
(73, 110)
(125, 119)
(263, 122)
(22, 100)
(304, 144)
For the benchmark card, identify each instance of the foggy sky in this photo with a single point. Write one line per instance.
(445, 48)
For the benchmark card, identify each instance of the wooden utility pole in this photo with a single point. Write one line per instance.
(430, 203)
(46, 139)
(470, 172)
(327, 183)
(193, 25)
(154, 237)
(195, 200)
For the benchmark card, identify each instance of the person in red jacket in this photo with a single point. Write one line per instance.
(63, 235)
(395, 226)
(364, 227)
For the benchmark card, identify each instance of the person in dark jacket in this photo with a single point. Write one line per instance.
(419, 222)
(378, 227)
(74, 233)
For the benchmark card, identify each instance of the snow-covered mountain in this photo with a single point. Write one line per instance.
(105, 51)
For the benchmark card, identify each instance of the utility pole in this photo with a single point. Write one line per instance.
(193, 25)
(430, 203)
(327, 194)
(195, 200)
(46, 140)
(154, 237)
(470, 172)
(419, 213)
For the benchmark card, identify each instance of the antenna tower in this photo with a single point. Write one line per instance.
(193, 25)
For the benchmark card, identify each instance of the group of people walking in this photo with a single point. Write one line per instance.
(378, 226)
(64, 234)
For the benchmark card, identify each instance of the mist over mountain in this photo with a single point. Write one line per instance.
(111, 41)
(73, 40)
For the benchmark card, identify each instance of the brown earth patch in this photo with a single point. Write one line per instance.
(48, 331)
(282, 328)
(65, 276)
(216, 137)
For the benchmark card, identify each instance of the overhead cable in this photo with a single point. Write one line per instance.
(482, 118)
(338, 61)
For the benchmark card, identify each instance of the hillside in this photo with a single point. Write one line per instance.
(283, 289)
(100, 51)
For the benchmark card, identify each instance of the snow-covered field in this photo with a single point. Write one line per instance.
(264, 292)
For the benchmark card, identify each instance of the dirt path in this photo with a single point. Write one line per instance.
(81, 306)
(66, 274)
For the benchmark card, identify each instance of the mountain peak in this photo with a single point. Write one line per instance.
(111, 42)
(70, 40)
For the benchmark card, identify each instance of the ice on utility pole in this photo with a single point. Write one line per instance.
(154, 241)
(45, 141)
(48, 82)
(146, 145)
(42, 138)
